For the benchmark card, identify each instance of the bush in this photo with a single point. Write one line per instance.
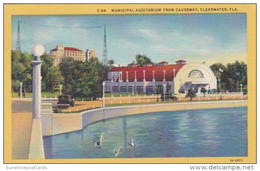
(57, 110)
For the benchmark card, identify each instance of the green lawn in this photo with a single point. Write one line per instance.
(161, 102)
(47, 94)
(126, 94)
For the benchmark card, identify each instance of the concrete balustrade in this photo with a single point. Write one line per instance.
(61, 123)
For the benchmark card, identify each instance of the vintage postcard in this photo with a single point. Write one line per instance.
(130, 83)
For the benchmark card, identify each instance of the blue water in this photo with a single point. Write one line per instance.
(194, 133)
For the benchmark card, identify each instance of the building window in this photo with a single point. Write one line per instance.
(196, 74)
(123, 89)
(149, 89)
(139, 89)
(115, 89)
(130, 89)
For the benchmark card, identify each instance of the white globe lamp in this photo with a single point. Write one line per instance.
(37, 50)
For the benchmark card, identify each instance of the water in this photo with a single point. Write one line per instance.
(194, 133)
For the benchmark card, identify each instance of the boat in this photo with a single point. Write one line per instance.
(99, 143)
(116, 152)
(132, 143)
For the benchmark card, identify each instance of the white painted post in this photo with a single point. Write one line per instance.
(21, 90)
(164, 90)
(164, 75)
(60, 89)
(144, 75)
(173, 79)
(241, 92)
(37, 82)
(104, 83)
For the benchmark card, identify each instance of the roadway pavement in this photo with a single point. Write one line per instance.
(21, 106)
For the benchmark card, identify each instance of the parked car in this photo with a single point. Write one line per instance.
(65, 101)
(168, 97)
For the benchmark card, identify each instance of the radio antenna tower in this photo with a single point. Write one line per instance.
(104, 60)
(18, 43)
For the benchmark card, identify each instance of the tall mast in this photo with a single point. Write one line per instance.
(18, 45)
(104, 59)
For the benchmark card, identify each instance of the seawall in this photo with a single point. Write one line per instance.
(53, 124)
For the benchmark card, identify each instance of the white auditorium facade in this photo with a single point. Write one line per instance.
(172, 78)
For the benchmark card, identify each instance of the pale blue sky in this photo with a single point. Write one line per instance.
(200, 37)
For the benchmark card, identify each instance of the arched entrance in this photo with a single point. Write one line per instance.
(194, 76)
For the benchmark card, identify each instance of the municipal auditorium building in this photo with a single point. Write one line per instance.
(172, 78)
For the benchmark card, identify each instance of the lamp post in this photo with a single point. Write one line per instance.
(37, 50)
(164, 76)
(21, 90)
(60, 89)
(164, 91)
(144, 75)
(153, 76)
(36, 142)
(135, 83)
(220, 71)
(103, 93)
(219, 86)
(241, 95)
(173, 81)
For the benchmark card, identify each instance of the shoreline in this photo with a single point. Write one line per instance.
(54, 124)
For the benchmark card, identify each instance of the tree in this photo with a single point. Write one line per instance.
(236, 75)
(203, 90)
(168, 88)
(142, 59)
(47, 63)
(53, 78)
(231, 76)
(21, 70)
(67, 69)
(110, 62)
(159, 89)
(98, 73)
(191, 93)
(83, 79)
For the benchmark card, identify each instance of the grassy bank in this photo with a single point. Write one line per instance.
(44, 94)
(126, 95)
